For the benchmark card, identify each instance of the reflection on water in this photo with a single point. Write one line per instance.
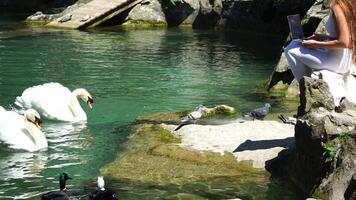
(63, 139)
(22, 165)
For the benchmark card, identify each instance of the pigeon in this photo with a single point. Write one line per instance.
(258, 113)
(287, 120)
(191, 117)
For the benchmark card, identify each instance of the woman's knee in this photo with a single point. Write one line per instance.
(292, 46)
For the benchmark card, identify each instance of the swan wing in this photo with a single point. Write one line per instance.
(13, 132)
(51, 100)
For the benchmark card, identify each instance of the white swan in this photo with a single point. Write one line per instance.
(55, 102)
(20, 133)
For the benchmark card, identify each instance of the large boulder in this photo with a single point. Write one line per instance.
(324, 165)
(180, 12)
(147, 12)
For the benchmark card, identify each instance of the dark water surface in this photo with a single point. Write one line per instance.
(129, 73)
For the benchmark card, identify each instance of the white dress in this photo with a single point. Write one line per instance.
(302, 60)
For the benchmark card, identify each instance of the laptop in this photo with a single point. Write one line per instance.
(295, 26)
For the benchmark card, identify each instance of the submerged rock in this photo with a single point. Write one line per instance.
(174, 117)
(153, 155)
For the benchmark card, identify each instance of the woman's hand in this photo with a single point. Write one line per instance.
(314, 36)
(310, 43)
(319, 37)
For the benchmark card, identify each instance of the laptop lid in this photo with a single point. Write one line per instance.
(295, 26)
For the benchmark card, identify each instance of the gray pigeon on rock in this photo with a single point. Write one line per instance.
(191, 117)
(258, 113)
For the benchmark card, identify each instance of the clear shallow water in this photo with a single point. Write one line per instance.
(129, 73)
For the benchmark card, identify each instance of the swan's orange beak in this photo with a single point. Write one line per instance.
(38, 122)
(90, 102)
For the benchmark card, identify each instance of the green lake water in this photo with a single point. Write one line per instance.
(129, 72)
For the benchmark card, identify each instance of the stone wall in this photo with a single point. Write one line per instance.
(256, 15)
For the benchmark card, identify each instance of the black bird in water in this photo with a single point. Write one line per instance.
(101, 193)
(258, 113)
(191, 117)
(62, 193)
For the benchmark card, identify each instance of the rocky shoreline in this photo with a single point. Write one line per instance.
(254, 15)
(317, 154)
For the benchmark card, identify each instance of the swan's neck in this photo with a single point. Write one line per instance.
(75, 107)
(37, 135)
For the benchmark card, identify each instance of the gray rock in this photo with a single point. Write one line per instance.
(56, 13)
(209, 14)
(149, 11)
(65, 18)
(293, 90)
(180, 12)
(314, 95)
(39, 16)
(324, 160)
(280, 75)
(205, 7)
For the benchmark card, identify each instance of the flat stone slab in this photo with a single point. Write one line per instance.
(93, 13)
(256, 141)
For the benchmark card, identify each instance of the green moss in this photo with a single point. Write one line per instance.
(221, 110)
(329, 152)
(152, 155)
(305, 21)
(318, 194)
(174, 117)
(143, 24)
(166, 136)
(346, 136)
(170, 117)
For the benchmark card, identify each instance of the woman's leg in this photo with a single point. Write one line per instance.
(299, 69)
(303, 60)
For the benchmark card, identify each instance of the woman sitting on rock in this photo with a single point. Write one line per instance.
(335, 52)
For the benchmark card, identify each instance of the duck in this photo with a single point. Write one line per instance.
(62, 194)
(101, 193)
(56, 102)
(22, 132)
